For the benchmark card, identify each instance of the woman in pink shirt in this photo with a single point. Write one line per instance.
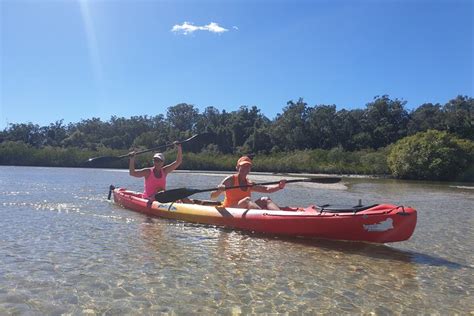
(155, 177)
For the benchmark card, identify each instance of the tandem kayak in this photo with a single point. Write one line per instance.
(379, 223)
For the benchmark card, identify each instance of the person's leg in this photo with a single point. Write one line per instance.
(272, 205)
(266, 203)
(247, 203)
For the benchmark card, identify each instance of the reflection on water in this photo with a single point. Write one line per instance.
(65, 250)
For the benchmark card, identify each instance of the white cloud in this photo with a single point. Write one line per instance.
(215, 28)
(185, 28)
(188, 28)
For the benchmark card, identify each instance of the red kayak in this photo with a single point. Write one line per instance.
(379, 223)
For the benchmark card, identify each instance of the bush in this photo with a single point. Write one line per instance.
(431, 155)
(374, 162)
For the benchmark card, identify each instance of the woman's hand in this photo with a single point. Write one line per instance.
(215, 194)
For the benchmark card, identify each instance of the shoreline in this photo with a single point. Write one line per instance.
(289, 174)
(467, 184)
(260, 173)
(223, 172)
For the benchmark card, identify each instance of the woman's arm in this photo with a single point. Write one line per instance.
(269, 188)
(131, 168)
(221, 188)
(179, 159)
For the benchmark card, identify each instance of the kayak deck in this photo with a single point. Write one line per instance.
(380, 223)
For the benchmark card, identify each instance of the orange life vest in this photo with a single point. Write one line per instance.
(233, 196)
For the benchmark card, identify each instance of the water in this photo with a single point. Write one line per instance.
(64, 249)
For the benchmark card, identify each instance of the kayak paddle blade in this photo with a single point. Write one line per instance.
(327, 180)
(102, 160)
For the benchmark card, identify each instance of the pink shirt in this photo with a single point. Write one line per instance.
(153, 184)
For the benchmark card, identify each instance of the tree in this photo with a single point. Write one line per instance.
(386, 120)
(427, 116)
(54, 134)
(209, 120)
(182, 117)
(76, 139)
(290, 130)
(322, 127)
(148, 140)
(259, 140)
(28, 133)
(349, 130)
(243, 122)
(459, 117)
(90, 133)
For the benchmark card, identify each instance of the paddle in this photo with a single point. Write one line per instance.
(181, 193)
(106, 159)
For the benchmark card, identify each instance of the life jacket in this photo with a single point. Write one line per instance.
(233, 196)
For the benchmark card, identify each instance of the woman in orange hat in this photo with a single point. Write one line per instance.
(155, 177)
(241, 197)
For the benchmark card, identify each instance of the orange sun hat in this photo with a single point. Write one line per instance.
(244, 160)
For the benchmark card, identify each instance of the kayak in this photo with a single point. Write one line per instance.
(378, 223)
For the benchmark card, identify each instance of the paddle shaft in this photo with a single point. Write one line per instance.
(177, 194)
(158, 147)
(251, 185)
(113, 158)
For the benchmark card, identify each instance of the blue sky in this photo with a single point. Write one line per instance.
(75, 60)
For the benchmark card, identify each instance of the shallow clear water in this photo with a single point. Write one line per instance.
(65, 249)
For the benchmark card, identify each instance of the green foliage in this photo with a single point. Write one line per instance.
(14, 153)
(27, 133)
(385, 120)
(323, 126)
(298, 127)
(427, 116)
(289, 131)
(182, 117)
(312, 161)
(208, 161)
(459, 117)
(335, 160)
(431, 155)
(350, 140)
(21, 154)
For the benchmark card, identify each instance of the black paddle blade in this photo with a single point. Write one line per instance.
(327, 180)
(174, 194)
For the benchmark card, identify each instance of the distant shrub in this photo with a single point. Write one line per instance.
(431, 155)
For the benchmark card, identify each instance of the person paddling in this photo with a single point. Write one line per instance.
(155, 177)
(241, 197)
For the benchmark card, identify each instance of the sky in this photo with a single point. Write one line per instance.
(75, 60)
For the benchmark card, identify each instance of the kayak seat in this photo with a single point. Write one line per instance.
(343, 209)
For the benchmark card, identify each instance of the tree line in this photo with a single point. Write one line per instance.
(430, 142)
(382, 122)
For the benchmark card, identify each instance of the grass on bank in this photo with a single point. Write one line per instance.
(308, 161)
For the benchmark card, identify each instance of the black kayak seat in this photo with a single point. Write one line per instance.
(343, 209)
